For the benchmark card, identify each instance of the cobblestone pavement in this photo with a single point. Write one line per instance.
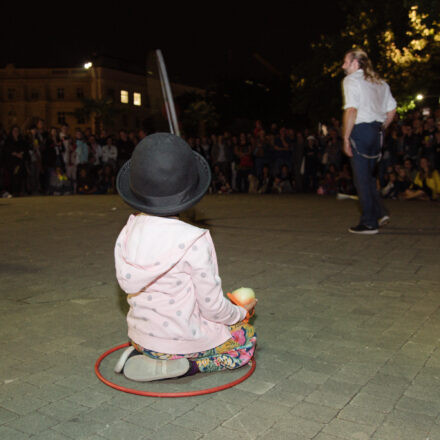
(348, 325)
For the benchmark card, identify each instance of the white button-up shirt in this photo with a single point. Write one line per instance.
(372, 100)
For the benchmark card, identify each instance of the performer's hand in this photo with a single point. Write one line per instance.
(347, 148)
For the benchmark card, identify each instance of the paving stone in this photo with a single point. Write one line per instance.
(221, 433)
(330, 399)
(63, 410)
(278, 396)
(23, 404)
(198, 421)
(218, 408)
(364, 416)
(308, 376)
(33, 423)
(250, 425)
(419, 406)
(7, 416)
(53, 435)
(130, 401)
(107, 413)
(392, 432)
(79, 427)
(366, 400)
(298, 426)
(318, 413)
(171, 431)
(89, 398)
(123, 430)
(278, 434)
(398, 417)
(349, 430)
(11, 434)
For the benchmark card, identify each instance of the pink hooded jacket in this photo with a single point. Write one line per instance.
(172, 267)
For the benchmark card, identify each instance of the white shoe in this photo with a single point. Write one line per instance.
(145, 369)
(384, 220)
(123, 359)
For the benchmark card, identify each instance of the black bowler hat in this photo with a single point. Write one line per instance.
(164, 176)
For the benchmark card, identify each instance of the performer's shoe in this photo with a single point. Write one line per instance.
(129, 351)
(145, 369)
(384, 220)
(363, 229)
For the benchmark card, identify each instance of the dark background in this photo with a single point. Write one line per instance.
(201, 45)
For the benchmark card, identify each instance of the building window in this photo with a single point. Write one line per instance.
(124, 96)
(137, 98)
(60, 93)
(11, 94)
(61, 118)
(80, 92)
(34, 95)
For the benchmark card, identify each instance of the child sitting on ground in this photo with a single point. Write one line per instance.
(179, 322)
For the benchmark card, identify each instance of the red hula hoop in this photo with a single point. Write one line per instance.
(153, 394)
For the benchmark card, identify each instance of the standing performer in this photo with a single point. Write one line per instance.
(369, 108)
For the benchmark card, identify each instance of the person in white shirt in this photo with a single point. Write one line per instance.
(109, 152)
(369, 108)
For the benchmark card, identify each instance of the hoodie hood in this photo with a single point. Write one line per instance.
(148, 247)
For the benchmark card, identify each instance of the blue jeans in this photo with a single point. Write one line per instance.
(366, 144)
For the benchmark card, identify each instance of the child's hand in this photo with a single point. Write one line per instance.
(250, 306)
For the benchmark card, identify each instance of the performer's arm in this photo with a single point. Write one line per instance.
(389, 119)
(348, 121)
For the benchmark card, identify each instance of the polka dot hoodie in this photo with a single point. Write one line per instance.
(169, 269)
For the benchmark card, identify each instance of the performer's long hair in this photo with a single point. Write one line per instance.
(365, 64)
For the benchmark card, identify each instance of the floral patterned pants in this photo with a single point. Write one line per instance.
(233, 353)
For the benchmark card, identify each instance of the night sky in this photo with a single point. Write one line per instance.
(200, 45)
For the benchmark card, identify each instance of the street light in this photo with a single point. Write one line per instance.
(419, 97)
(88, 65)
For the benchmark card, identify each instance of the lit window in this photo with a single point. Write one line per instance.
(124, 96)
(136, 98)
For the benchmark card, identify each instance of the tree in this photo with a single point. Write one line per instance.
(402, 41)
(103, 111)
(199, 114)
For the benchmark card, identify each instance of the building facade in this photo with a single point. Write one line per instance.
(57, 95)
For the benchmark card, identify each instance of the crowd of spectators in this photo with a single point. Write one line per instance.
(274, 159)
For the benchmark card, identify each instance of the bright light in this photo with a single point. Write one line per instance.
(419, 97)
(137, 99)
(88, 65)
(124, 96)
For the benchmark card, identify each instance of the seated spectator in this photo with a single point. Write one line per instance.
(86, 181)
(265, 181)
(106, 180)
(344, 180)
(59, 183)
(426, 185)
(401, 184)
(409, 169)
(283, 181)
(328, 185)
(388, 191)
(219, 183)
